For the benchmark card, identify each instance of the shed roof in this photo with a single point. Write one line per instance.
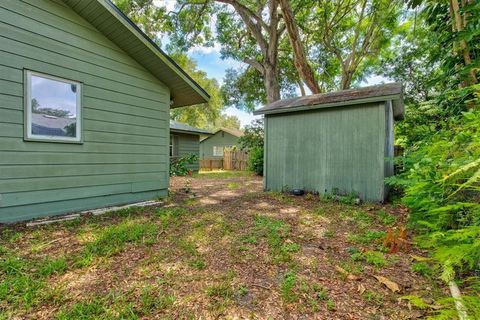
(117, 27)
(378, 93)
(234, 132)
(182, 127)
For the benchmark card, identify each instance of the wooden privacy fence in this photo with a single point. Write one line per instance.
(211, 164)
(235, 160)
(232, 160)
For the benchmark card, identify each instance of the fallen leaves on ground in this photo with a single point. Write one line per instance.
(394, 287)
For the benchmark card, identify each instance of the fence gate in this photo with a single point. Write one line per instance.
(232, 160)
(235, 160)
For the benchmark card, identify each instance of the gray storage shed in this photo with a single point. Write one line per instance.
(339, 142)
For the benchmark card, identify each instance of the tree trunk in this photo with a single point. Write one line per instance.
(346, 80)
(459, 27)
(257, 27)
(300, 58)
(272, 86)
(302, 89)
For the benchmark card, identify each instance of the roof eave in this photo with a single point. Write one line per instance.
(184, 91)
(114, 10)
(191, 132)
(229, 132)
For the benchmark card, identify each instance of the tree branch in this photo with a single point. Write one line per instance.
(300, 58)
(249, 18)
(255, 64)
(257, 17)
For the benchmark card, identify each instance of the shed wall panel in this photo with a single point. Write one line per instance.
(328, 150)
(125, 109)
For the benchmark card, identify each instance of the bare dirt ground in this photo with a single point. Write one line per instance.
(219, 248)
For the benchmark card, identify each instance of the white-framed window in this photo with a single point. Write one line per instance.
(52, 108)
(218, 151)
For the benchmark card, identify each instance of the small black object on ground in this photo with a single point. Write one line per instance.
(298, 192)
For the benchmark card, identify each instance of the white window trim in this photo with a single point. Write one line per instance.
(28, 111)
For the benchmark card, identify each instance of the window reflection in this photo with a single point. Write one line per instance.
(53, 107)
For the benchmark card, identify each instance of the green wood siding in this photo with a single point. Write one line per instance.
(187, 144)
(327, 149)
(221, 139)
(124, 155)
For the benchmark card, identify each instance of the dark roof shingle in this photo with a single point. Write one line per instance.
(178, 126)
(383, 92)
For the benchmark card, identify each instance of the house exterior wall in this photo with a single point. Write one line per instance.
(219, 139)
(328, 149)
(187, 144)
(125, 109)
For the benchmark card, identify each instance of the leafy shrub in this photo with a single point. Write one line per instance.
(253, 140)
(179, 167)
(255, 160)
(253, 135)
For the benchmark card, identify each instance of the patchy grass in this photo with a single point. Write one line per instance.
(275, 232)
(233, 185)
(222, 174)
(281, 197)
(153, 300)
(113, 239)
(423, 269)
(375, 258)
(287, 287)
(224, 249)
(24, 281)
(369, 237)
(374, 297)
(195, 259)
(385, 217)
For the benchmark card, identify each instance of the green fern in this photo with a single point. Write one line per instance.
(442, 189)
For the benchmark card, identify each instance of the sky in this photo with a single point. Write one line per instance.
(54, 94)
(209, 60)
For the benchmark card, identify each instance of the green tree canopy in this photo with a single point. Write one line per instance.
(287, 45)
(155, 20)
(207, 115)
(151, 18)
